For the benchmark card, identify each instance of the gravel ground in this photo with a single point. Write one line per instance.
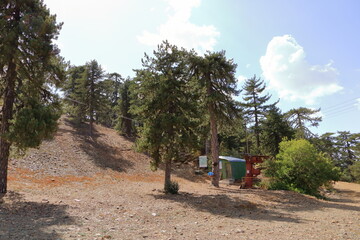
(77, 187)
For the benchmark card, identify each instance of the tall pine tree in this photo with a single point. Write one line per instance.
(164, 104)
(255, 104)
(74, 94)
(274, 129)
(346, 143)
(29, 61)
(216, 78)
(93, 75)
(300, 117)
(125, 123)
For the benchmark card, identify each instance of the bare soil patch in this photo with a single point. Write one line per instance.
(78, 187)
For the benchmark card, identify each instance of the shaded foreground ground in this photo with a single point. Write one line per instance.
(77, 187)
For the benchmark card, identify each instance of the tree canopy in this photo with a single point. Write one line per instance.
(164, 106)
(29, 65)
(274, 129)
(255, 105)
(299, 118)
(215, 76)
(176, 103)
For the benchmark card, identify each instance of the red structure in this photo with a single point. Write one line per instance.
(251, 171)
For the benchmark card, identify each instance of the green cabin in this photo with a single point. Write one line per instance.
(232, 168)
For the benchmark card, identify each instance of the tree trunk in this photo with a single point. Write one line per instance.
(247, 140)
(214, 148)
(207, 146)
(167, 173)
(91, 125)
(128, 127)
(349, 160)
(7, 111)
(301, 131)
(91, 105)
(257, 133)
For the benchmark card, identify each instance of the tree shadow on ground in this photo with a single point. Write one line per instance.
(20, 219)
(229, 207)
(106, 156)
(185, 171)
(101, 153)
(298, 202)
(349, 193)
(273, 205)
(292, 201)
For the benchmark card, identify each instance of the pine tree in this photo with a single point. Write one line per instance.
(117, 83)
(163, 103)
(298, 119)
(326, 143)
(255, 107)
(347, 143)
(93, 75)
(232, 138)
(110, 95)
(124, 120)
(74, 93)
(106, 114)
(274, 129)
(216, 78)
(29, 62)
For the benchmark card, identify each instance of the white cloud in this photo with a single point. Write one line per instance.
(288, 72)
(241, 79)
(357, 104)
(248, 65)
(180, 31)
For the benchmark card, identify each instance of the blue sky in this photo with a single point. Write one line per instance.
(306, 51)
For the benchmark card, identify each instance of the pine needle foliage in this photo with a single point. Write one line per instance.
(164, 104)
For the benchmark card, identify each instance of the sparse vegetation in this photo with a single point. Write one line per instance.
(172, 187)
(173, 106)
(87, 137)
(101, 187)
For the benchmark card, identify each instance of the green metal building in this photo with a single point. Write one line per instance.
(232, 168)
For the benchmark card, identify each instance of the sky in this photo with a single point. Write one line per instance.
(307, 52)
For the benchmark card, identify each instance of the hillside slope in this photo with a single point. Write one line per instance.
(74, 152)
(77, 187)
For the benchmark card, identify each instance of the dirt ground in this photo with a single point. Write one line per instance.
(77, 187)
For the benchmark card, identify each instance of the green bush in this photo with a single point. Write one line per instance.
(299, 167)
(172, 187)
(346, 175)
(355, 171)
